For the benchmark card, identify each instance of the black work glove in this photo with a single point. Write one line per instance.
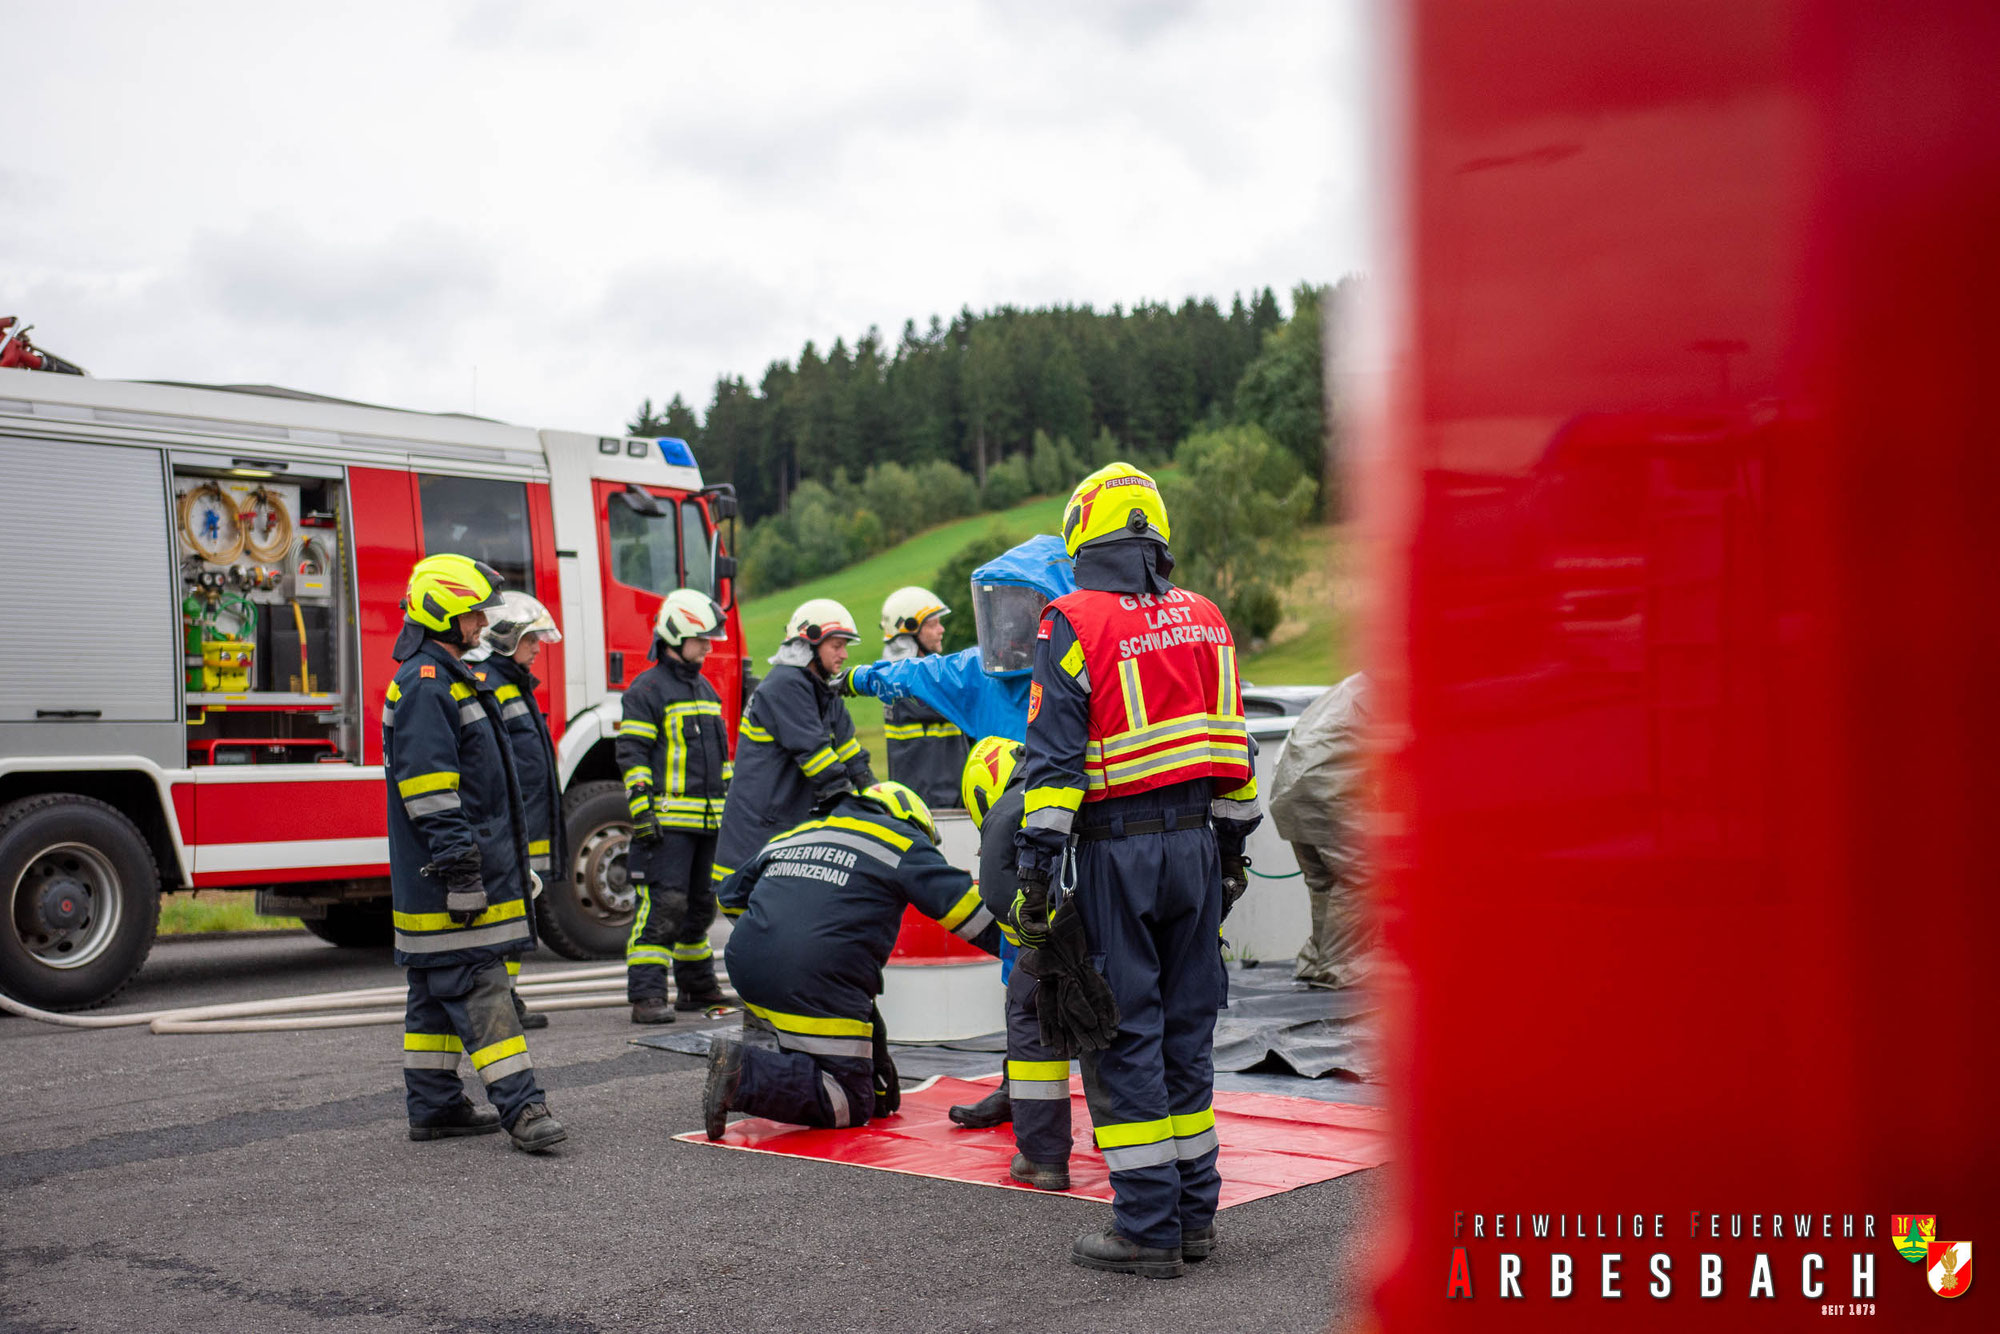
(646, 824)
(888, 1084)
(1075, 1006)
(1235, 880)
(1031, 908)
(464, 890)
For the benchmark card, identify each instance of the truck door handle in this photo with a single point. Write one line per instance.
(617, 668)
(69, 713)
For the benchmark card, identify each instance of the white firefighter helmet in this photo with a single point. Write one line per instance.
(517, 616)
(686, 614)
(907, 608)
(818, 619)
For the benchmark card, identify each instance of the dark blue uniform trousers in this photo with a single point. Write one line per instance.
(1152, 907)
(806, 1089)
(676, 908)
(460, 1011)
(1037, 1077)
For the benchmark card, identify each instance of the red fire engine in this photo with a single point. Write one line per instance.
(203, 586)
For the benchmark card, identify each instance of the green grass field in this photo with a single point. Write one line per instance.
(1311, 646)
(1308, 648)
(216, 910)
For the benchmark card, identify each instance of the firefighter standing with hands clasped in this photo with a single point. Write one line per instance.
(458, 867)
(1139, 797)
(674, 755)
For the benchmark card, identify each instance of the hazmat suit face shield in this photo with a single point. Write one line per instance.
(1008, 615)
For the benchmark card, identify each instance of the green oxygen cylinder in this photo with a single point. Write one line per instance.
(192, 607)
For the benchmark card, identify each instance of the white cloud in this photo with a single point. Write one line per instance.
(595, 205)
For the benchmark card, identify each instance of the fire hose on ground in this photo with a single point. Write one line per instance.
(575, 989)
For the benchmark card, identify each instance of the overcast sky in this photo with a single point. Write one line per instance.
(565, 209)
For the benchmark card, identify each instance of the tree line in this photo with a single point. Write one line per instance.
(839, 454)
(974, 391)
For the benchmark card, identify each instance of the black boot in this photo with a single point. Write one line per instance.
(695, 987)
(995, 1109)
(528, 1019)
(725, 1072)
(462, 1119)
(1107, 1250)
(535, 1131)
(699, 999)
(1198, 1245)
(1042, 1176)
(652, 1010)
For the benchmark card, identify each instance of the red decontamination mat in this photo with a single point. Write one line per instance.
(1269, 1144)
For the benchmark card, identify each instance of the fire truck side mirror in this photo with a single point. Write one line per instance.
(725, 568)
(721, 505)
(642, 500)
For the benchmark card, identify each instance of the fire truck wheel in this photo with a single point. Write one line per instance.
(81, 894)
(354, 926)
(587, 914)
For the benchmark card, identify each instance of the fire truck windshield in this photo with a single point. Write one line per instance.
(644, 550)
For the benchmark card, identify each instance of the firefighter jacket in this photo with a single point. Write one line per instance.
(534, 750)
(818, 911)
(795, 748)
(925, 751)
(1135, 695)
(453, 797)
(672, 740)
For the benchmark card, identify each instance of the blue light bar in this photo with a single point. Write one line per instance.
(675, 450)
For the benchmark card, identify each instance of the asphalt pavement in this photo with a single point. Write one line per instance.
(263, 1182)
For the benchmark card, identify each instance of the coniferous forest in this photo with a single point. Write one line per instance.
(847, 449)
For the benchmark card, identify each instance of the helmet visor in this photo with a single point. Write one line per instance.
(1008, 616)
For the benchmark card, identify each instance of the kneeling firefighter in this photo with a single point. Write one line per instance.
(1139, 797)
(458, 867)
(817, 913)
(674, 754)
(502, 665)
(926, 750)
(795, 747)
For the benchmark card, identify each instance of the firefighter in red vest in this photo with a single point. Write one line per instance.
(1139, 797)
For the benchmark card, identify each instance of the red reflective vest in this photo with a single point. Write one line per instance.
(1165, 706)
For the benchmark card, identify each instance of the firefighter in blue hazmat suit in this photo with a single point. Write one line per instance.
(673, 752)
(817, 913)
(1140, 795)
(926, 750)
(458, 867)
(502, 666)
(983, 691)
(795, 746)
(1034, 1094)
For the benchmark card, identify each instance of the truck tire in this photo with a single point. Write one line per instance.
(79, 901)
(587, 912)
(354, 926)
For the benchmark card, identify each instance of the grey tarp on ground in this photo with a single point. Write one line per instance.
(1272, 1024)
(1271, 1018)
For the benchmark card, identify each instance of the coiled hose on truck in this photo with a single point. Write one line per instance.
(575, 989)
